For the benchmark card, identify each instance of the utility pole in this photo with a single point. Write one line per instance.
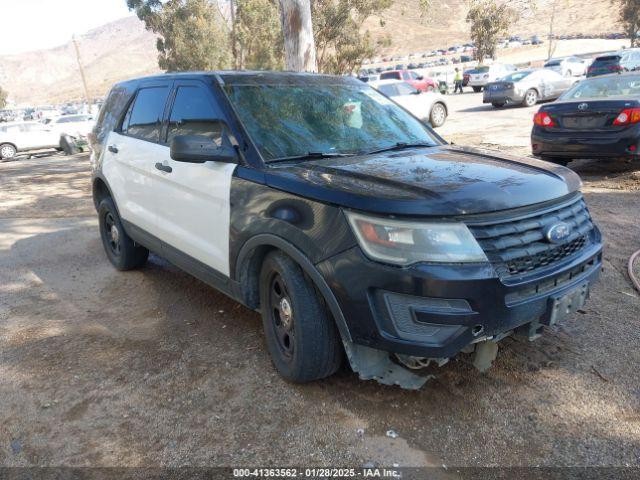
(84, 78)
(299, 45)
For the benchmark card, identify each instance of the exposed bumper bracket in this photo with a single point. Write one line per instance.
(372, 364)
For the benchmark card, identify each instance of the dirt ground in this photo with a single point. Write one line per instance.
(154, 368)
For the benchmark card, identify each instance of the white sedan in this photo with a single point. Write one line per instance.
(427, 106)
(74, 125)
(25, 136)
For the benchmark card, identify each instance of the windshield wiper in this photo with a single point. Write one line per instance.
(312, 156)
(399, 146)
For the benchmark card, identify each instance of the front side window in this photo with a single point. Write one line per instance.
(343, 118)
(193, 114)
(144, 118)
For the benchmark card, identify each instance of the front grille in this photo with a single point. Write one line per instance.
(518, 245)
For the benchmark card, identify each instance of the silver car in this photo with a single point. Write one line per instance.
(527, 87)
(568, 66)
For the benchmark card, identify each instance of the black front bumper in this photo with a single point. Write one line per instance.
(436, 310)
(585, 144)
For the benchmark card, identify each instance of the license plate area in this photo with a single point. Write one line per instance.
(564, 305)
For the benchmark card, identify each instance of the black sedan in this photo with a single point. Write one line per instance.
(597, 118)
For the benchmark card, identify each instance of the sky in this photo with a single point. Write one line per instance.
(37, 24)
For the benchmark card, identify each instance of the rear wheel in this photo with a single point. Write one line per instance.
(121, 250)
(7, 151)
(438, 115)
(301, 336)
(530, 98)
(477, 89)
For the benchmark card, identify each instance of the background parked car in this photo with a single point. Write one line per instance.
(598, 118)
(428, 106)
(422, 83)
(24, 136)
(623, 61)
(527, 87)
(568, 66)
(74, 125)
(489, 73)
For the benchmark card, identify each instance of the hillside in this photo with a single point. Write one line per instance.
(123, 48)
(117, 50)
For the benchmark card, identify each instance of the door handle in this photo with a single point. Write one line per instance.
(113, 148)
(164, 168)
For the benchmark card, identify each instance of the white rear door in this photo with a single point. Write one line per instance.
(130, 156)
(193, 198)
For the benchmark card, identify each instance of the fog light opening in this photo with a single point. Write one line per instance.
(477, 330)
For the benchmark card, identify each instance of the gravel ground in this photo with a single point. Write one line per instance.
(154, 368)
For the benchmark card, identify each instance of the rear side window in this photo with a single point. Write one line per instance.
(194, 114)
(144, 118)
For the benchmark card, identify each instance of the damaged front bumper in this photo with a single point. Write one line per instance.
(403, 318)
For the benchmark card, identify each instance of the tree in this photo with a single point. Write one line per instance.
(299, 44)
(191, 33)
(259, 35)
(3, 98)
(338, 25)
(247, 34)
(489, 21)
(629, 18)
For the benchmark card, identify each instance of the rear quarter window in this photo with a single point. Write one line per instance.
(111, 112)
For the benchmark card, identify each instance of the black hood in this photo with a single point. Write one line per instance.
(441, 180)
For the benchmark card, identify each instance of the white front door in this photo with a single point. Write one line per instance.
(193, 212)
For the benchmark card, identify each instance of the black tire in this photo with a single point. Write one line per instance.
(301, 336)
(530, 98)
(68, 145)
(498, 104)
(477, 89)
(438, 115)
(7, 151)
(557, 160)
(121, 250)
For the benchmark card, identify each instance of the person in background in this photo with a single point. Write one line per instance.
(457, 81)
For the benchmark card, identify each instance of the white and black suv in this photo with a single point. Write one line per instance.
(349, 224)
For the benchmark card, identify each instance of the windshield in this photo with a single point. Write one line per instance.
(627, 85)
(515, 77)
(292, 120)
(482, 69)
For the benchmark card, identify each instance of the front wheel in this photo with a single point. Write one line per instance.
(301, 336)
(530, 98)
(438, 115)
(7, 151)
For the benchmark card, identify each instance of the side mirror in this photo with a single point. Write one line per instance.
(200, 149)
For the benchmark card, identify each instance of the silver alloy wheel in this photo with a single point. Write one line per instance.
(438, 115)
(530, 98)
(7, 151)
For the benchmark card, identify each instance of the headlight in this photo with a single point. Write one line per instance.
(405, 242)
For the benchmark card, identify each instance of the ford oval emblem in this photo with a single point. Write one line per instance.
(557, 232)
(583, 106)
